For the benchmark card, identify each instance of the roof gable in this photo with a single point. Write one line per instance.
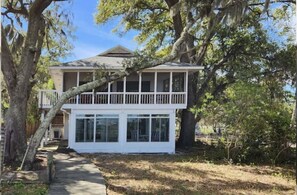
(118, 51)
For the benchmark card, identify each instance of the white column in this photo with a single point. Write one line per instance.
(139, 88)
(170, 88)
(124, 90)
(71, 130)
(93, 90)
(155, 88)
(63, 74)
(172, 131)
(77, 84)
(123, 132)
(186, 87)
(108, 90)
(39, 99)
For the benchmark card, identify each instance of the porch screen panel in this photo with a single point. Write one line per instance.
(163, 79)
(69, 80)
(84, 130)
(178, 82)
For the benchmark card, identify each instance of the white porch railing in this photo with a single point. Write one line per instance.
(48, 98)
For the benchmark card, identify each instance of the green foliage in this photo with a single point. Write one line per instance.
(24, 189)
(257, 125)
(58, 32)
(150, 18)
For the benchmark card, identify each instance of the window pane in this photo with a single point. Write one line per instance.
(144, 129)
(107, 129)
(107, 116)
(84, 130)
(84, 115)
(160, 115)
(100, 130)
(79, 130)
(132, 129)
(138, 115)
(164, 130)
(138, 130)
(155, 135)
(113, 129)
(160, 130)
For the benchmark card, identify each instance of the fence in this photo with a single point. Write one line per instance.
(31, 128)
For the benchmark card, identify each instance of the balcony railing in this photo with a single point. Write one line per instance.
(48, 98)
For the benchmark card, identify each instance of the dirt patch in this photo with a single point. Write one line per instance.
(40, 162)
(188, 174)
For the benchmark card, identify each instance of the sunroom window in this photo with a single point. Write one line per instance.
(107, 128)
(138, 128)
(84, 128)
(160, 128)
(146, 127)
(97, 128)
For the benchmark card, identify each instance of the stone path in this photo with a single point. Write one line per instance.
(76, 175)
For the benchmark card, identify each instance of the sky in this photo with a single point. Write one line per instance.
(92, 39)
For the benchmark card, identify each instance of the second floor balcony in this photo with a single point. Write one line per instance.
(145, 88)
(47, 98)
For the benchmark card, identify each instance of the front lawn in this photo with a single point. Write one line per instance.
(189, 174)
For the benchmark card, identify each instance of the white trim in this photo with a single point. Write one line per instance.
(139, 87)
(108, 90)
(124, 90)
(155, 87)
(170, 87)
(77, 84)
(93, 90)
(186, 87)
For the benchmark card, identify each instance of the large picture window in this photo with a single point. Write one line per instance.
(107, 128)
(97, 128)
(146, 127)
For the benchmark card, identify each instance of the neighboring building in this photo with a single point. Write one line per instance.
(132, 115)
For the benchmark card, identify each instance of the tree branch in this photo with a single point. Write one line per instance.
(22, 10)
(39, 6)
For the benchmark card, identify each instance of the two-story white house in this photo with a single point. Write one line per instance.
(132, 115)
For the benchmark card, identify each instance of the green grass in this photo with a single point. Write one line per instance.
(24, 189)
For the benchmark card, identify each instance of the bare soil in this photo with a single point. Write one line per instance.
(189, 174)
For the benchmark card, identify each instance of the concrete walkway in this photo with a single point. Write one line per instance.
(76, 175)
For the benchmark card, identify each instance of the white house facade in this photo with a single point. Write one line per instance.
(132, 115)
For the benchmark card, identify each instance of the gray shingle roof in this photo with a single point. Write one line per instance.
(113, 59)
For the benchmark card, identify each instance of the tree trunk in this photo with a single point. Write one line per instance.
(188, 121)
(15, 125)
